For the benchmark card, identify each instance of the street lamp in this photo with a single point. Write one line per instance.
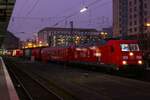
(148, 24)
(83, 9)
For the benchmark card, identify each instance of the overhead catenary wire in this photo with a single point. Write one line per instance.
(36, 18)
(23, 7)
(96, 21)
(75, 13)
(35, 4)
(93, 3)
(33, 7)
(96, 1)
(58, 19)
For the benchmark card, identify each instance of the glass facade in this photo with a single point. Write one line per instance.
(123, 17)
(63, 37)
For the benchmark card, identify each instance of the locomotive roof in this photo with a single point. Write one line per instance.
(124, 41)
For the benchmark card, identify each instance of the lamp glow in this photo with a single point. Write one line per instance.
(148, 24)
(124, 62)
(131, 54)
(83, 9)
(140, 62)
(102, 33)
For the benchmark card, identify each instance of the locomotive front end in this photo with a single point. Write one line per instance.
(131, 56)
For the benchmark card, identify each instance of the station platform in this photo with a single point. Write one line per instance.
(7, 90)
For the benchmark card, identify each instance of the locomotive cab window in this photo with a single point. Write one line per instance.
(134, 47)
(129, 47)
(125, 47)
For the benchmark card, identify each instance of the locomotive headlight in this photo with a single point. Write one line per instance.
(124, 62)
(97, 54)
(140, 62)
(131, 54)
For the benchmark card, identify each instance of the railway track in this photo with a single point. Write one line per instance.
(31, 88)
(94, 86)
(132, 75)
(68, 89)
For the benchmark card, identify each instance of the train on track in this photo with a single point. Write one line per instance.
(114, 54)
(84, 47)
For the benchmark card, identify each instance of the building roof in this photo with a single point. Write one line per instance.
(68, 29)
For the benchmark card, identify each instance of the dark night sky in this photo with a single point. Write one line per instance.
(29, 16)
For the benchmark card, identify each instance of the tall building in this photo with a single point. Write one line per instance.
(6, 8)
(131, 20)
(131, 17)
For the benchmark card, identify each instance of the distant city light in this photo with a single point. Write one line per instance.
(105, 33)
(83, 9)
(40, 42)
(102, 33)
(40, 45)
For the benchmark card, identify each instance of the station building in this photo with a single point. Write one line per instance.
(64, 36)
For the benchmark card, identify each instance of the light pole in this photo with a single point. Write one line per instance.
(71, 25)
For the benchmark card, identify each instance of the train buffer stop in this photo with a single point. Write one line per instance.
(7, 90)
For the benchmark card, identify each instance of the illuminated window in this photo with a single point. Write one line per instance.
(125, 47)
(129, 47)
(134, 47)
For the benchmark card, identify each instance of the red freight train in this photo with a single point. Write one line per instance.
(117, 54)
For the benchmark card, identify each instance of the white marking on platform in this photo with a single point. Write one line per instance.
(12, 92)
